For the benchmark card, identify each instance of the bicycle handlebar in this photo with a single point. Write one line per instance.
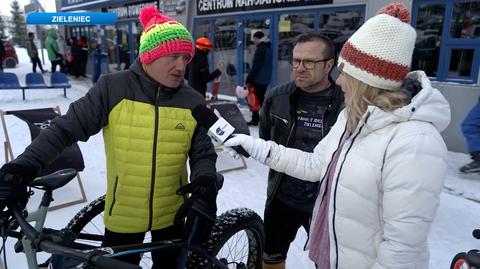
(47, 245)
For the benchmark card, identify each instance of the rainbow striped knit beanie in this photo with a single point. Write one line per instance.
(162, 36)
(380, 52)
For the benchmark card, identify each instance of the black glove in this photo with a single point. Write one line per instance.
(200, 209)
(14, 179)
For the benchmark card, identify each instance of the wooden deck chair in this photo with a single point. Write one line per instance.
(230, 112)
(38, 119)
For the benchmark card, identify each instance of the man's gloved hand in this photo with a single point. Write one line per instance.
(256, 147)
(13, 183)
(200, 209)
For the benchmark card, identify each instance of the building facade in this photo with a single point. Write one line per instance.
(120, 41)
(447, 46)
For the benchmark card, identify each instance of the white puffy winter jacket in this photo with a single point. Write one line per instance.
(387, 182)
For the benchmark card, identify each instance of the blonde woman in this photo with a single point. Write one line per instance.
(382, 166)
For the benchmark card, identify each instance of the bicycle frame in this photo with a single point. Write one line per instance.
(160, 246)
(38, 216)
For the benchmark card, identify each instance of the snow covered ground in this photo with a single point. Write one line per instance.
(458, 214)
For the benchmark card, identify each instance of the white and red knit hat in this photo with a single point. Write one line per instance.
(380, 52)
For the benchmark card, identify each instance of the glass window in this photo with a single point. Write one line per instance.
(225, 52)
(123, 45)
(225, 34)
(340, 25)
(465, 21)
(249, 28)
(111, 39)
(460, 63)
(137, 29)
(202, 29)
(429, 26)
(289, 27)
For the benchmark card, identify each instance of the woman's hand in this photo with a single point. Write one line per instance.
(258, 149)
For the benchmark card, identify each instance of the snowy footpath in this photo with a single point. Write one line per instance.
(458, 215)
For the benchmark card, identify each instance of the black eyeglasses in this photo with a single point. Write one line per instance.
(307, 64)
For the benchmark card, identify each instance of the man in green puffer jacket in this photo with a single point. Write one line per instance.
(52, 50)
(149, 132)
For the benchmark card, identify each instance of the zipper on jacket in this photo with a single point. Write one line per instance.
(277, 176)
(336, 186)
(321, 181)
(154, 160)
(324, 122)
(279, 118)
(330, 163)
(114, 196)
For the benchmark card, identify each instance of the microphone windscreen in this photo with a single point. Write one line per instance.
(204, 116)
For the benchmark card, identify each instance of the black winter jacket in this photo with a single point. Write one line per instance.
(261, 71)
(277, 122)
(198, 72)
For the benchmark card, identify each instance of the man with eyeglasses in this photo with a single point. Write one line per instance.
(297, 114)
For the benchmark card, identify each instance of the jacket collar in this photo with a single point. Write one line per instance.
(149, 83)
(428, 105)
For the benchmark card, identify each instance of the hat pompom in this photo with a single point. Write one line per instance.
(147, 13)
(398, 10)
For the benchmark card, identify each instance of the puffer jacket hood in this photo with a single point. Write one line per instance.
(428, 105)
(52, 34)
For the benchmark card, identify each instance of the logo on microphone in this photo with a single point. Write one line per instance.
(220, 131)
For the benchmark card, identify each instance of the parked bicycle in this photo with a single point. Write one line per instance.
(236, 240)
(467, 260)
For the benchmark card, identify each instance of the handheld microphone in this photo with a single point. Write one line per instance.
(218, 128)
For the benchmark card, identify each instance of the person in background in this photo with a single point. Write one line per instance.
(74, 57)
(33, 53)
(471, 132)
(69, 57)
(150, 134)
(52, 49)
(297, 114)
(82, 56)
(382, 166)
(261, 71)
(97, 57)
(198, 71)
(62, 49)
(124, 52)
